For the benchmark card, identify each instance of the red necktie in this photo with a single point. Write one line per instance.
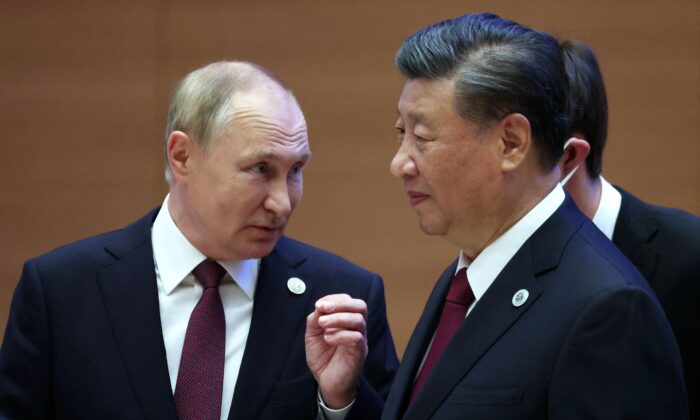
(458, 299)
(200, 378)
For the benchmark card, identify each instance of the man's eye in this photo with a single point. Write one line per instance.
(296, 169)
(261, 168)
(400, 133)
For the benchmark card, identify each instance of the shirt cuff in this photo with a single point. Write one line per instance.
(326, 413)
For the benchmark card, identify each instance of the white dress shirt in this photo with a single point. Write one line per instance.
(608, 209)
(178, 293)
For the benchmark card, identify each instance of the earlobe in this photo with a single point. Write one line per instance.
(516, 140)
(180, 148)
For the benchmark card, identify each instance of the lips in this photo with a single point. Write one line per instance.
(415, 197)
(268, 232)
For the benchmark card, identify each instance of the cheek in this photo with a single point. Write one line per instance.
(239, 196)
(296, 191)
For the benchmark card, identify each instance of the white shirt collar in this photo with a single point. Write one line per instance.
(175, 257)
(490, 262)
(608, 209)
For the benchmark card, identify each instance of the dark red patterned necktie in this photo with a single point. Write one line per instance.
(458, 299)
(200, 379)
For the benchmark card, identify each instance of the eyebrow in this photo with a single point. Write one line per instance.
(268, 155)
(415, 116)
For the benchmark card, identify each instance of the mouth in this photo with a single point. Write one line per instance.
(415, 197)
(267, 231)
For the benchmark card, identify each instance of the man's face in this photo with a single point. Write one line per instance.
(242, 191)
(449, 168)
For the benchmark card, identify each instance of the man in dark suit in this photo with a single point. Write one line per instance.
(197, 310)
(663, 243)
(540, 316)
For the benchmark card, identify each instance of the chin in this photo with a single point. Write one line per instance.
(260, 250)
(431, 228)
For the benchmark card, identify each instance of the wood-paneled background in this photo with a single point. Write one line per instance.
(84, 89)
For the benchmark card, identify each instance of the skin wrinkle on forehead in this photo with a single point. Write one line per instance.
(412, 116)
(255, 121)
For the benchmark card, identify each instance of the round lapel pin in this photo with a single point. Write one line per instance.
(520, 297)
(296, 285)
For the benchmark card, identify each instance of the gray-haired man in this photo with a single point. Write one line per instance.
(197, 310)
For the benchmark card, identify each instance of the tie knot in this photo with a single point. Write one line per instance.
(209, 273)
(460, 292)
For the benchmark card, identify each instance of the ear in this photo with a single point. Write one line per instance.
(180, 149)
(574, 155)
(516, 140)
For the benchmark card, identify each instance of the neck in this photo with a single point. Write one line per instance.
(183, 221)
(585, 191)
(521, 197)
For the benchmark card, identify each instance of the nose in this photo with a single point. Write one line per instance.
(278, 200)
(402, 164)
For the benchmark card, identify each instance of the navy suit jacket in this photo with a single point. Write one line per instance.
(84, 336)
(664, 244)
(590, 341)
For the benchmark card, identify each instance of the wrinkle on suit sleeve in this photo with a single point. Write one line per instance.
(614, 363)
(25, 354)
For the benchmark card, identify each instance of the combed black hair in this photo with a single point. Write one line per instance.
(588, 103)
(499, 67)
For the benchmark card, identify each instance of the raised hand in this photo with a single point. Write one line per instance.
(336, 347)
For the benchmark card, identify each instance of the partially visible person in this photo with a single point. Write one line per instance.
(197, 310)
(663, 243)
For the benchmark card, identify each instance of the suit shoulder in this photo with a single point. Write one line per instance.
(591, 272)
(683, 225)
(680, 223)
(671, 232)
(601, 262)
(96, 250)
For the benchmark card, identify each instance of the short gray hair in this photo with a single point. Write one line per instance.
(201, 103)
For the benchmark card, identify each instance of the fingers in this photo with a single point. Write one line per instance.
(341, 303)
(336, 346)
(312, 326)
(340, 319)
(345, 338)
(343, 321)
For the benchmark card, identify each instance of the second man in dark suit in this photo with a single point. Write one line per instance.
(663, 243)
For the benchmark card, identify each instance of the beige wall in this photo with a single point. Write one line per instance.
(85, 85)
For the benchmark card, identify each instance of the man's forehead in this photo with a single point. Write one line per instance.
(422, 97)
(264, 127)
(266, 110)
(264, 97)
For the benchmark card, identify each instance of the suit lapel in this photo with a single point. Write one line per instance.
(634, 230)
(130, 295)
(278, 317)
(417, 347)
(493, 315)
